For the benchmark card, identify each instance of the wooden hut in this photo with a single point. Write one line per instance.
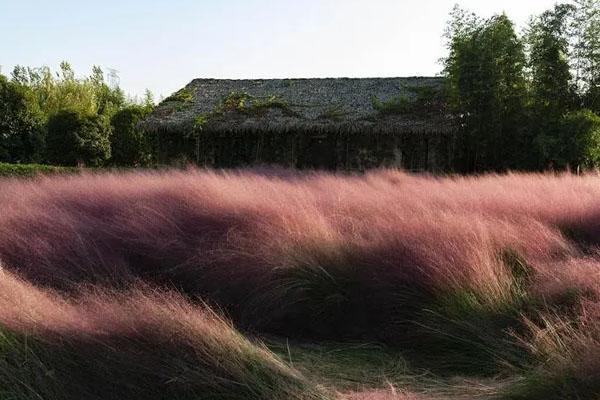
(342, 123)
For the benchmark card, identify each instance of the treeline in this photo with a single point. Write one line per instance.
(523, 101)
(60, 119)
(526, 101)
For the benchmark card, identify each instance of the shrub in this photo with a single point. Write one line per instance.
(184, 95)
(129, 145)
(74, 138)
(21, 133)
(30, 170)
(576, 141)
(583, 130)
(396, 105)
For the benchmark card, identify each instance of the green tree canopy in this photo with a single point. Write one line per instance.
(487, 90)
(66, 106)
(54, 92)
(576, 142)
(586, 52)
(129, 144)
(553, 92)
(21, 136)
(75, 138)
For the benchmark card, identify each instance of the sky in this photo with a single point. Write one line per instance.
(162, 45)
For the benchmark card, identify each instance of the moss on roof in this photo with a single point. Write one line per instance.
(364, 104)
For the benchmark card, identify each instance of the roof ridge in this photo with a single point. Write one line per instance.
(317, 79)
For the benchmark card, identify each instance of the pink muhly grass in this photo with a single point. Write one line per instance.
(137, 344)
(446, 265)
(568, 353)
(391, 394)
(263, 246)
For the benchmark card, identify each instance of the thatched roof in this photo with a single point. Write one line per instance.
(356, 105)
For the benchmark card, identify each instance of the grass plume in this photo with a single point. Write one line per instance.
(446, 270)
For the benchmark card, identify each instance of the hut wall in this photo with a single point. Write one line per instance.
(352, 151)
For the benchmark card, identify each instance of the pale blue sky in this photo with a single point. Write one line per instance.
(162, 45)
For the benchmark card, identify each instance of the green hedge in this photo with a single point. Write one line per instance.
(31, 170)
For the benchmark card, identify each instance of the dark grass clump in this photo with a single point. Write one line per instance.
(138, 344)
(568, 357)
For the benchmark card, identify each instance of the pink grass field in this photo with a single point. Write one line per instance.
(313, 255)
(203, 230)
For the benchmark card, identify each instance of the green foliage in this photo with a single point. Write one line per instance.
(511, 122)
(349, 366)
(51, 93)
(200, 121)
(202, 359)
(35, 96)
(551, 81)
(191, 145)
(553, 93)
(429, 98)
(129, 144)
(514, 100)
(522, 276)
(184, 95)
(273, 102)
(485, 73)
(575, 143)
(244, 103)
(21, 133)
(74, 138)
(235, 101)
(585, 27)
(335, 113)
(419, 100)
(147, 101)
(31, 170)
(393, 106)
(425, 93)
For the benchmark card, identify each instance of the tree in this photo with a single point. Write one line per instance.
(487, 89)
(553, 93)
(129, 144)
(74, 138)
(21, 134)
(52, 93)
(586, 60)
(108, 100)
(576, 142)
(79, 113)
(148, 100)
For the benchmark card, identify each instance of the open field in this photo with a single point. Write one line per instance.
(280, 285)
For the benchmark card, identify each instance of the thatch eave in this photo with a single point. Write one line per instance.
(363, 126)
